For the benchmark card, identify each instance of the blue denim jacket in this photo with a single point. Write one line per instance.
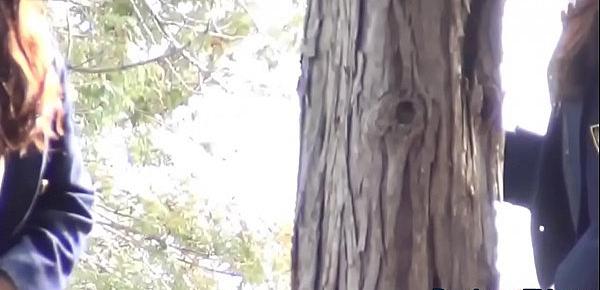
(556, 177)
(43, 228)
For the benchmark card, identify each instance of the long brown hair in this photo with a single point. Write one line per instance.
(574, 64)
(30, 91)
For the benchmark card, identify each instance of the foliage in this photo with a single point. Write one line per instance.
(132, 63)
(138, 58)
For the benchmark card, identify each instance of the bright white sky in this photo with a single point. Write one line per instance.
(530, 31)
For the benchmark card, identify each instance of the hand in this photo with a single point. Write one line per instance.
(6, 284)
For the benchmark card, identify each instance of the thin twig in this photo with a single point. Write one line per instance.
(140, 18)
(225, 36)
(102, 70)
(245, 8)
(228, 273)
(113, 227)
(170, 37)
(69, 44)
(185, 17)
(74, 2)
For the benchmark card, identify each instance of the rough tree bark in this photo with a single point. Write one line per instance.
(400, 145)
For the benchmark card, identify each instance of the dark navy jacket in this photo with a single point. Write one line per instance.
(45, 211)
(556, 177)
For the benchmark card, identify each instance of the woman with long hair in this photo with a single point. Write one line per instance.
(560, 170)
(45, 193)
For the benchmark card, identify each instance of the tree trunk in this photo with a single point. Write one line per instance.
(400, 145)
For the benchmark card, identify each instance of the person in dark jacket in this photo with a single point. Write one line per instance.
(556, 175)
(45, 193)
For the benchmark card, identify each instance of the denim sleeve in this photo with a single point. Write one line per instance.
(55, 233)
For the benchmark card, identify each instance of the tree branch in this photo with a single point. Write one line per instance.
(185, 17)
(217, 33)
(145, 27)
(69, 44)
(116, 227)
(170, 37)
(245, 8)
(174, 41)
(102, 70)
(228, 273)
(75, 3)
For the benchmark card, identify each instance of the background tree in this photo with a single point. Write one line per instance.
(400, 149)
(136, 69)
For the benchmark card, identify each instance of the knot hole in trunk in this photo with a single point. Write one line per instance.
(405, 112)
(397, 114)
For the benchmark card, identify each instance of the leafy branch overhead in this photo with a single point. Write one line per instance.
(101, 70)
(148, 55)
(132, 63)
